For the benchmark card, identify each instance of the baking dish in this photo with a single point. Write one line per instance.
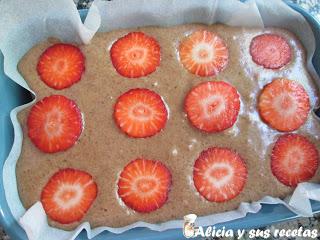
(12, 95)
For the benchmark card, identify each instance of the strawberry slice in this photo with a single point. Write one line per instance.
(68, 195)
(212, 106)
(135, 55)
(270, 51)
(294, 159)
(284, 105)
(203, 53)
(219, 174)
(144, 185)
(54, 124)
(61, 65)
(140, 113)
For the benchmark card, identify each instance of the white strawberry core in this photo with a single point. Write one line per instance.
(270, 50)
(68, 195)
(141, 112)
(294, 158)
(213, 106)
(219, 174)
(53, 123)
(285, 104)
(60, 66)
(145, 185)
(136, 55)
(203, 53)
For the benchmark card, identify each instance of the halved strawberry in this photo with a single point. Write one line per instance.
(61, 65)
(212, 106)
(135, 55)
(68, 195)
(203, 53)
(270, 51)
(54, 124)
(284, 104)
(144, 185)
(294, 159)
(219, 174)
(140, 113)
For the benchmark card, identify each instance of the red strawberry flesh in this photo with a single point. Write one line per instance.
(203, 53)
(212, 106)
(284, 105)
(68, 195)
(135, 55)
(294, 159)
(270, 51)
(144, 185)
(61, 65)
(219, 174)
(140, 113)
(54, 124)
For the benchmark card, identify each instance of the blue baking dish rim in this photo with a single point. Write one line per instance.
(12, 95)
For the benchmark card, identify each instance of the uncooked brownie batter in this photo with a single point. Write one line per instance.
(103, 149)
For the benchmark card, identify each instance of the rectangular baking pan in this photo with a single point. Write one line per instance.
(12, 95)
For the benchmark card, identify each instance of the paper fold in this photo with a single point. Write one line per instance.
(59, 18)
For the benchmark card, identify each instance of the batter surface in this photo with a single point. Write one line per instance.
(103, 150)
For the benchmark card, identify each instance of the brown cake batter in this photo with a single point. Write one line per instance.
(103, 150)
